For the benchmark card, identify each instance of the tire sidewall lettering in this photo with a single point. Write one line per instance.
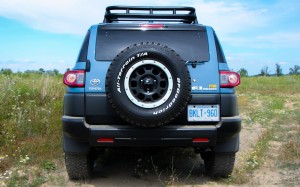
(171, 103)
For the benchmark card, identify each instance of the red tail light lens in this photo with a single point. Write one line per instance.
(105, 140)
(229, 79)
(200, 140)
(74, 78)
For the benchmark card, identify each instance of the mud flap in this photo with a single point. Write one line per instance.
(231, 146)
(71, 146)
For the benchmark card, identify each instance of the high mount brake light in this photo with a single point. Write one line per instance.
(229, 79)
(74, 78)
(152, 26)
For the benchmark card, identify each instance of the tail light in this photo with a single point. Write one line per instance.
(105, 140)
(200, 140)
(74, 78)
(229, 79)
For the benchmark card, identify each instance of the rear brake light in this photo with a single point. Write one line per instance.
(152, 26)
(105, 140)
(200, 140)
(229, 79)
(74, 78)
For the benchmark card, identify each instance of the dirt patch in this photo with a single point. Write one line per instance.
(136, 167)
(265, 177)
(174, 166)
(268, 174)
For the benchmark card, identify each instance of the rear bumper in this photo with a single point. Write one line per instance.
(168, 136)
(98, 111)
(77, 129)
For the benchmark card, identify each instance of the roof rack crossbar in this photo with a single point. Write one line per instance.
(159, 13)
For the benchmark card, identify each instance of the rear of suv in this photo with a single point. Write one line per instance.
(150, 77)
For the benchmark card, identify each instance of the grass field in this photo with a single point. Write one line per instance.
(30, 123)
(269, 107)
(30, 136)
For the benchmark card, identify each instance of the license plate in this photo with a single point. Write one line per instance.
(203, 113)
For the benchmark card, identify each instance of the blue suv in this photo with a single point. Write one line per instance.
(150, 77)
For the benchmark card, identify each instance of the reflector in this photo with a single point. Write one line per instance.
(200, 140)
(105, 140)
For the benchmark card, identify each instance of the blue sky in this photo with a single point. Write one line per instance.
(48, 34)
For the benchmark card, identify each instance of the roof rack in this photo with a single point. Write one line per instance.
(150, 14)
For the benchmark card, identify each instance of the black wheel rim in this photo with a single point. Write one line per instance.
(148, 83)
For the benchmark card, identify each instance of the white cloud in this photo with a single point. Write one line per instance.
(228, 18)
(75, 16)
(56, 16)
(282, 63)
(281, 39)
(269, 40)
(62, 16)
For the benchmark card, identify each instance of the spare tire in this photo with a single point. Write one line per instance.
(148, 84)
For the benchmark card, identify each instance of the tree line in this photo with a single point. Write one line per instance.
(243, 72)
(8, 71)
(266, 72)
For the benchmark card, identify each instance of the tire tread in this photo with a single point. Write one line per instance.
(79, 166)
(219, 165)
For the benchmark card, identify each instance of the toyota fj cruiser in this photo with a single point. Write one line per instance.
(151, 77)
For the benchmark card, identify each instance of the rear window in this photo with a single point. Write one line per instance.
(190, 45)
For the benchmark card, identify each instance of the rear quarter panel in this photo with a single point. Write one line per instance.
(205, 76)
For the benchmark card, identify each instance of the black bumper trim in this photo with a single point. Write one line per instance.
(74, 104)
(73, 127)
(164, 136)
(175, 135)
(229, 128)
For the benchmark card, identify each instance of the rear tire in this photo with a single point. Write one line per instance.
(218, 165)
(79, 166)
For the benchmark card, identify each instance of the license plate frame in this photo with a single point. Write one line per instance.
(203, 113)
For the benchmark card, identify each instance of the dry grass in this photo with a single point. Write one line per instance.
(31, 106)
(30, 122)
(290, 151)
(272, 103)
